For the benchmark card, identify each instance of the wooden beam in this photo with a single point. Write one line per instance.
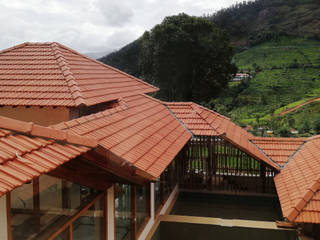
(84, 174)
(281, 224)
(124, 173)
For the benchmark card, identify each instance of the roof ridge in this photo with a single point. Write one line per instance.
(198, 112)
(305, 199)
(313, 137)
(280, 139)
(180, 122)
(294, 153)
(36, 130)
(263, 152)
(68, 75)
(14, 47)
(107, 66)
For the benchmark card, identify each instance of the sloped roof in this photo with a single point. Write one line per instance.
(204, 122)
(28, 150)
(50, 74)
(298, 184)
(140, 131)
(278, 149)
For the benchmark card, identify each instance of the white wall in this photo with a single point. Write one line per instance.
(3, 218)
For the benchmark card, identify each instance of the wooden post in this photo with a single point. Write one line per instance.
(36, 202)
(133, 212)
(263, 177)
(110, 213)
(5, 226)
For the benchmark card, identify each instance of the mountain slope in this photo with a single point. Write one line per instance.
(248, 24)
(288, 73)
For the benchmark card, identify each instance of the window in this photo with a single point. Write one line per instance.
(123, 211)
(43, 207)
(143, 205)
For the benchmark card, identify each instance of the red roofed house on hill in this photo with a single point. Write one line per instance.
(85, 153)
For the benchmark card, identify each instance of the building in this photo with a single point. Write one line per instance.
(85, 153)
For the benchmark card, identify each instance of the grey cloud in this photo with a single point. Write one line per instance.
(90, 25)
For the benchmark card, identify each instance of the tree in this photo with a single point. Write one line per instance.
(284, 132)
(316, 125)
(305, 127)
(188, 58)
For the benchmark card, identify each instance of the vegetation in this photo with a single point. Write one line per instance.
(253, 22)
(277, 42)
(286, 78)
(188, 58)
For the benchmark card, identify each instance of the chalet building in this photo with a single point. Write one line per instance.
(86, 153)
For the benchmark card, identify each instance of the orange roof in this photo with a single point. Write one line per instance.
(204, 122)
(140, 131)
(298, 184)
(50, 74)
(28, 150)
(278, 149)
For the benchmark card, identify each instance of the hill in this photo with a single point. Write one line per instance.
(248, 24)
(254, 22)
(287, 74)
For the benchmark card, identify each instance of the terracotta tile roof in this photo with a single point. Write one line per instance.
(278, 149)
(50, 74)
(298, 184)
(204, 122)
(140, 131)
(28, 150)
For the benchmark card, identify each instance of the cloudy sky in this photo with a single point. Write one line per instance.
(90, 25)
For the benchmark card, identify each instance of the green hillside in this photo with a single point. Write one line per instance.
(248, 23)
(287, 74)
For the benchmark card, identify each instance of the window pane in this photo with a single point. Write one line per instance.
(59, 200)
(122, 211)
(23, 221)
(63, 236)
(142, 205)
(90, 225)
(157, 195)
(38, 216)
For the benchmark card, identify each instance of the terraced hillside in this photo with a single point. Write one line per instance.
(287, 74)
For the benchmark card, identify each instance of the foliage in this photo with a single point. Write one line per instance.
(255, 22)
(284, 132)
(305, 128)
(277, 87)
(316, 125)
(188, 58)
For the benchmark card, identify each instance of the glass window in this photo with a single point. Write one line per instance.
(63, 235)
(41, 207)
(90, 225)
(23, 219)
(123, 211)
(143, 209)
(157, 195)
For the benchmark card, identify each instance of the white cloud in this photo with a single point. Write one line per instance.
(90, 25)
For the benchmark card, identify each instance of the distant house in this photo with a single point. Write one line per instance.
(240, 76)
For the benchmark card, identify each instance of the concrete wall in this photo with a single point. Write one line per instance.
(44, 116)
(3, 218)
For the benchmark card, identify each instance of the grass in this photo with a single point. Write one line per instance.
(289, 74)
